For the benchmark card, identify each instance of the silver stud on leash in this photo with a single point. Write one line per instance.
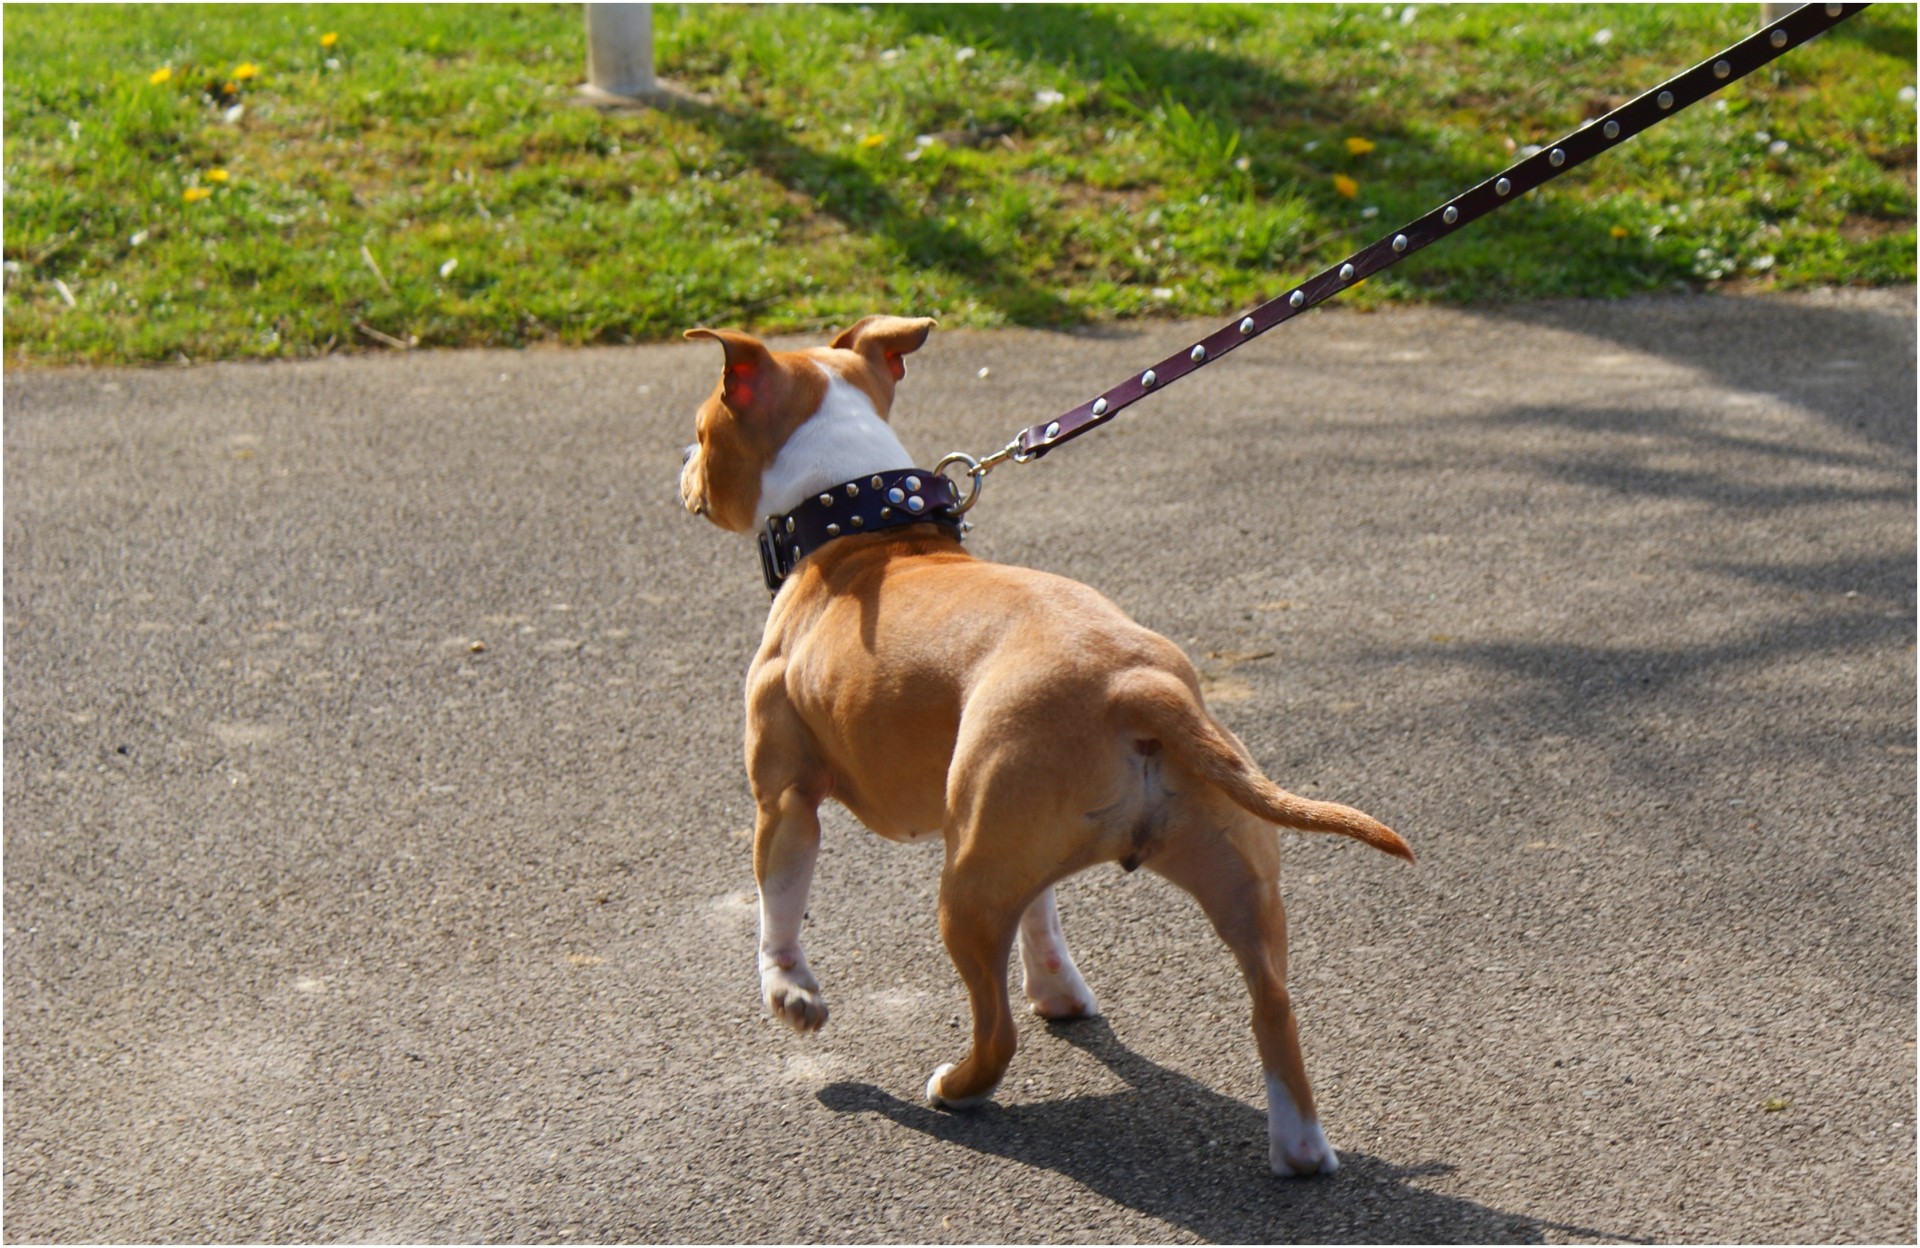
(1053, 431)
(1502, 187)
(1198, 354)
(1296, 299)
(1778, 38)
(1399, 242)
(1346, 272)
(1556, 157)
(1246, 326)
(1147, 379)
(1833, 10)
(1721, 69)
(1451, 215)
(1664, 99)
(1611, 129)
(1100, 407)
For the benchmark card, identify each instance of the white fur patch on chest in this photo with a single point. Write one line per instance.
(845, 439)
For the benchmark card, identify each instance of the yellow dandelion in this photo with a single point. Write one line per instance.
(246, 71)
(163, 74)
(1359, 146)
(329, 39)
(873, 140)
(216, 175)
(1618, 231)
(194, 194)
(1345, 185)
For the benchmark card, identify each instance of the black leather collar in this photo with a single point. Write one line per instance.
(872, 504)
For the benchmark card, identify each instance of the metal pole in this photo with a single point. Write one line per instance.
(620, 52)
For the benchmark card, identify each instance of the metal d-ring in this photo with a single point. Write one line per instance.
(976, 473)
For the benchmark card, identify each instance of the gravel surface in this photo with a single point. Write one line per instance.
(376, 858)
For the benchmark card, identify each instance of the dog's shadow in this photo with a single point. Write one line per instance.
(1175, 1150)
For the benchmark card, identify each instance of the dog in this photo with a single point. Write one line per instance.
(1018, 716)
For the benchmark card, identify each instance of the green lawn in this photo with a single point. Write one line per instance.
(424, 175)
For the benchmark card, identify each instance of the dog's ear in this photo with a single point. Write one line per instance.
(884, 339)
(748, 379)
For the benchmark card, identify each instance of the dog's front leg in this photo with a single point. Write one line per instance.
(1053, 984)
(786, 838)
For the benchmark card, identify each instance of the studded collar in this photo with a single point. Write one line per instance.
(872, 504)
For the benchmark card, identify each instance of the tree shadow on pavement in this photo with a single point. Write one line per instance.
(1814, 357)
(1175, 1150)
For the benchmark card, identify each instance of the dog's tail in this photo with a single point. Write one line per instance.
(1161, 706)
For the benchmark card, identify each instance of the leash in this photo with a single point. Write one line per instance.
(1594, 137)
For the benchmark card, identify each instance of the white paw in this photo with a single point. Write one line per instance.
(1295, 1144)
(1063, 1003)
(1308, 1153)
(794, 997)
(936, 1101)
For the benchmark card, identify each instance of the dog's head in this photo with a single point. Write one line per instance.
(763, 396)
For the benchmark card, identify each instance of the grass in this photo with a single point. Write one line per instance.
(424, 177)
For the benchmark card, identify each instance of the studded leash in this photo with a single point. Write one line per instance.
(1594, 137)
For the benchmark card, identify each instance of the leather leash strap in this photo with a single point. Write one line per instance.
(1575, 149)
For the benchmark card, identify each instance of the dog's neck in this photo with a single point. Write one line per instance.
(842, 441)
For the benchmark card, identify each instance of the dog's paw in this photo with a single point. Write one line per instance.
(1055, 990)
(1062, 1006)
(795, 1000)
(1303, 1154)
(937, 1100)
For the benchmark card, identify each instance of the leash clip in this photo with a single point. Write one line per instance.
(977, 470)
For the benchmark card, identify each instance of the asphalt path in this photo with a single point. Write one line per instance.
(376, 841)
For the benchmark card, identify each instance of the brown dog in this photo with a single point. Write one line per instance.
(1018, 716)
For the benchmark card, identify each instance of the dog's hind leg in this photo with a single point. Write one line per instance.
(978, 916)
(1053, 984)
(1230, 862)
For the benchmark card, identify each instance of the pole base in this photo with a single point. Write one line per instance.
(662, 95)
